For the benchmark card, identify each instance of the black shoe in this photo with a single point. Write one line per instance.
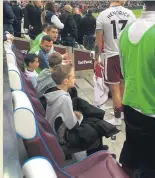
(100, 148)
(105, 147)
(69, 157)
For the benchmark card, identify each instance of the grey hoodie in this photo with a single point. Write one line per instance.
(59, 104)
(44, 82)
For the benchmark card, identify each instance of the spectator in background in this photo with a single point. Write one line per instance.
(32, 16)
(27, 20)
(69, 32)
(19, 15)
(36, 27)
(32, 63)
(48, 29)
(78, 19)
(8, 17)
(88, 26)
(48, 15)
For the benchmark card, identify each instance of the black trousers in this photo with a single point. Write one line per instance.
(17, 29)
(138, 152)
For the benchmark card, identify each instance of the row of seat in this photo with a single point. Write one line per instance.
(40, 139)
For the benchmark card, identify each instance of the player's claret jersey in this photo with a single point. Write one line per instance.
(137, 52)
(112, 21)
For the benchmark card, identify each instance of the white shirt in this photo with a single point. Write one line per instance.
(32, 76)
(112, 21)
(55, 20)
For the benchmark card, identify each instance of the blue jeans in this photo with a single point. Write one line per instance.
(88, 42)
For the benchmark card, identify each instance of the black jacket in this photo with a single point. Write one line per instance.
(32, 16)
(18, 13)
(88, 25)
(8, 15)
(70, 27)
(78, 19)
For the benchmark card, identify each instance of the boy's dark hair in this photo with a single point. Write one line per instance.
(61, 72)
(30, 58)
(46, 38)
(54, 59)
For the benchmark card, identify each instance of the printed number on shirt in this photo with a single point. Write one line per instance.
(113, 22)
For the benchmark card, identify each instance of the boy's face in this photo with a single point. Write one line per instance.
(70, 81)
(34, 65)
(54, 34)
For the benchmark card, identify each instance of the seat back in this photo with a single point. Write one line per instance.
(16, 83)
(14, 77)
(19, 58)
(38, 167)
(11, 58)
(8, 46)
(37, 141)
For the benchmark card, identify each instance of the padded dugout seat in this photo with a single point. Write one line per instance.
(38, 167)
(40, 143)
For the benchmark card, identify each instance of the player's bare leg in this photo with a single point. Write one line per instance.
(122, 88)
(117, 104)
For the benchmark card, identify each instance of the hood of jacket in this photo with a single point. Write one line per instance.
(52, 97)
(44, 82)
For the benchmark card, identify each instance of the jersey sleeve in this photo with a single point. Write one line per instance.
(99, 22)
(132, 17)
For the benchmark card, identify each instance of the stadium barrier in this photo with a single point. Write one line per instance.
(80, 58)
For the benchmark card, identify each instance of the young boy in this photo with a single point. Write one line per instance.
(84, 125)
(44, 80)
(32, 63)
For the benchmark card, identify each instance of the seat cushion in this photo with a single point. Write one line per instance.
(98, 165)
(38, 167)
(24, 117)
(14, 77)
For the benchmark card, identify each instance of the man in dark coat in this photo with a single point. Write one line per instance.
(69, 32)
(19, 15)
(8, 17)
(88, 26)
(78, 19)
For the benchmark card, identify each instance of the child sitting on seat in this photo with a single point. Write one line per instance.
(32, 63)
(83, 123)
(44, 80)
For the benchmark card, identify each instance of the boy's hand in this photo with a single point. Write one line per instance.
(78, 114)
